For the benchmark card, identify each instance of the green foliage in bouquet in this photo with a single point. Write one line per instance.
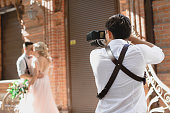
(18, 88)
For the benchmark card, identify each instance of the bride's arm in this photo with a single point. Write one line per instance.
(33, 80)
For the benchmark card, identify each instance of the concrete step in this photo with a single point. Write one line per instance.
(2, 111)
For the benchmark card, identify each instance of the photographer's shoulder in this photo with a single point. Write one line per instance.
(97, 53)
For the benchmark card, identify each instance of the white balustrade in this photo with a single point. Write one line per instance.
(161, 90)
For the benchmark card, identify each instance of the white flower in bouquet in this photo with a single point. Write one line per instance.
(18, 88)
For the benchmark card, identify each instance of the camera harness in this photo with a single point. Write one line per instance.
(119, 66)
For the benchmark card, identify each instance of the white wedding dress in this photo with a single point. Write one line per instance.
(39, 99)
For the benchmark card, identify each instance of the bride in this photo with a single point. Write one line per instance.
(39, 98)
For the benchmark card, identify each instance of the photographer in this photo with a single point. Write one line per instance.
(126, 95)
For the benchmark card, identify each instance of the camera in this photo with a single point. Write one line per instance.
(96, 38)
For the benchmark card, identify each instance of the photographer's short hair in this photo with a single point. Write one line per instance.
(26, 44)
(119, 25)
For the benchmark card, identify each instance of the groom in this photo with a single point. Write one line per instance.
(24, 61)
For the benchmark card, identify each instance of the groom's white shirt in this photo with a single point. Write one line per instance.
(21, 64)
(125, 95)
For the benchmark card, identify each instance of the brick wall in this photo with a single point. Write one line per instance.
(161, 15)
(58, 48)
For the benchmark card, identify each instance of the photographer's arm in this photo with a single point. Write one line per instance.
(139, 41)
(152, 53)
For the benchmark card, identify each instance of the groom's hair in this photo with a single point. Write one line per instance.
(26, 44)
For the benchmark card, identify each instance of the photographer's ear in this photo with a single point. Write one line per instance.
(109, 36)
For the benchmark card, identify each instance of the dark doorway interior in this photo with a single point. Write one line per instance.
(11, 44)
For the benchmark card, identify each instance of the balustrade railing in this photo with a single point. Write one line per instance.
(160, 90)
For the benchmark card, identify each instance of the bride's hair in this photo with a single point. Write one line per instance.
(42, 49)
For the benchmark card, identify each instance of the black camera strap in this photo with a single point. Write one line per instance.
(118, 66)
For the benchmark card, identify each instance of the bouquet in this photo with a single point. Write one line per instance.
(18, 88)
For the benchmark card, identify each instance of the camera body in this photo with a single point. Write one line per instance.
(96, 38)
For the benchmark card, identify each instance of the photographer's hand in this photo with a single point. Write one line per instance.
(135, 40)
